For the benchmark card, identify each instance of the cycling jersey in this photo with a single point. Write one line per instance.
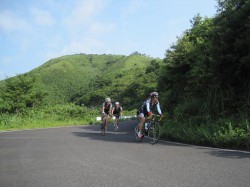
(148, 107)
(107, 108)
(117, 110)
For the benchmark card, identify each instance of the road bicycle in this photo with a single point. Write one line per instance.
(103, 128)
(151, 129)
(116, 123)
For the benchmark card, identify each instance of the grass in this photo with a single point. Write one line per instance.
(19, 122)
(49, 116)
(52, 116)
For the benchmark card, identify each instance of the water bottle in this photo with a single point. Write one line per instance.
(146, 126)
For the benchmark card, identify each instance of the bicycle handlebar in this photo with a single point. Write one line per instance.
(154, 116)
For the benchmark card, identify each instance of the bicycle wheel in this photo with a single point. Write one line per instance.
(115, 125)
(154, 132)
(103, 129)
(136, 134)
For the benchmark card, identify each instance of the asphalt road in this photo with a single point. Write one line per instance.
(81, 156)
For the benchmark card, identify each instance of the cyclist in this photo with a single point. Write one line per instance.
(144, 102)
(146, 110)
(106, 110)
(117, 112)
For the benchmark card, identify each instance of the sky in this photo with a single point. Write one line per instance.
(35, 31)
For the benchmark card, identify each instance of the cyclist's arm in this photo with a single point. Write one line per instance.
(103, 108)
(159, 108)
(110, 109)
(148, 109)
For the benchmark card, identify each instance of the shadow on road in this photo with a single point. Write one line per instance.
(229, 153)
(125, 134)
(119, 137)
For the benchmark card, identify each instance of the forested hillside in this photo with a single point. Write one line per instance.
(207, 71)
(86, 79)
(205, 82)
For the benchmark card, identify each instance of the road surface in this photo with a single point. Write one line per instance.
(81, 156)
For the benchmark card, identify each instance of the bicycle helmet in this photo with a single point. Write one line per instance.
(153, 94)
(107, 100)
(117, 103)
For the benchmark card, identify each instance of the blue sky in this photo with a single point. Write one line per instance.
(35, 31)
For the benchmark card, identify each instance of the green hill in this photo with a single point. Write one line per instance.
(86, 79)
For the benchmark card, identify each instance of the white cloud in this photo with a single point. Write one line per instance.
(41, 17)
(83, 12)
(133, 7)
(9, 22)
(85, 45)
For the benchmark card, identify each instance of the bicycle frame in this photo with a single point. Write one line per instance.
(103, 127)
(116, 123)
(153, 130)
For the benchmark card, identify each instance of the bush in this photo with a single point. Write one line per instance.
(222, 133)
(48, 116)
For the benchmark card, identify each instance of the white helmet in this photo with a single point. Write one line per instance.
(117, 103)
(107, 100)
(154, 94)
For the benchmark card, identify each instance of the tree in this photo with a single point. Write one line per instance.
(19, 94)
(232, 52)
(207, 71)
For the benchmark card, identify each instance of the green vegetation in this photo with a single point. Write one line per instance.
(70, 90)
(48, 116)
(203, 81)
(223, 133)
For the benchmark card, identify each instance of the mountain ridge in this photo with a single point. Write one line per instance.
(86, 79)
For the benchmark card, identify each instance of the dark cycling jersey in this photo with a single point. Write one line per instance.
(117, 110)
(107, 107)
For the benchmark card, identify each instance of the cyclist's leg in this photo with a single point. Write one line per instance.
(107, 120)
(116, 123)
(142, 122)
(117, 120)
(138, 135)
(141, 125)
(102, 117)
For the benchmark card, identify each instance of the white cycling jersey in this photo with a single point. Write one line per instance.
(148, 107)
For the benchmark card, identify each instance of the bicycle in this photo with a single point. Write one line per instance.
(152, 129)
(103, 129)
(116, 123)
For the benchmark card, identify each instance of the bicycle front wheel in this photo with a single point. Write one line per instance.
(154, 132)
(103, 128)
(115, 125)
